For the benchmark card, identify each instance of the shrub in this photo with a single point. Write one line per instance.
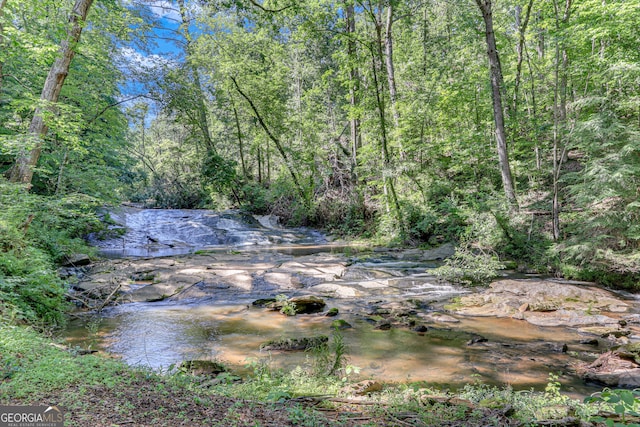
(469, 267)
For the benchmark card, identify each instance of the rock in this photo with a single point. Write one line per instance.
(263, 302)
(336, 290)
(383, 325)
(308, 304)
(363, 387)
(341, 324)
(295, 344)
(438, 318)
(441, 252)
(543, 303)
(421, 329)
(475, 339)
(613, 369)
(77, 260)
(332, 312)
(202, 367)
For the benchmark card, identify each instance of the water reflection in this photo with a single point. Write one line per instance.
(517, 353)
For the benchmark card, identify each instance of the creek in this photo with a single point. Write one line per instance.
(187, 279)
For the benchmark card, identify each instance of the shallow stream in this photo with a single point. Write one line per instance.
(222, 324)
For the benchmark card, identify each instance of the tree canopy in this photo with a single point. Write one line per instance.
(513, 125)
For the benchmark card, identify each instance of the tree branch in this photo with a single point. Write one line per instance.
(264, 9)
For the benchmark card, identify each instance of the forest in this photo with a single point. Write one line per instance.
(510, 128)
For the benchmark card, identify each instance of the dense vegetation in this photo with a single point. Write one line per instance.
(511, 128)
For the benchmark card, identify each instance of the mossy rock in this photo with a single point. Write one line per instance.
(263, 302)
(629, 351)
(341, 324)
(202, 367)
(332, 312)
(295, 344)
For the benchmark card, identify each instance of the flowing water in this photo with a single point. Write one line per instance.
(224, 325)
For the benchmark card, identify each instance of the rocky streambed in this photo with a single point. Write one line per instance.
(399, 322)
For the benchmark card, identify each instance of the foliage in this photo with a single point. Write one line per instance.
(288, 307)
(528, 405)
(37, 232)
(469, 267)
(624, 403)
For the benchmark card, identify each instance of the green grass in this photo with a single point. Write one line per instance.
(32, 365)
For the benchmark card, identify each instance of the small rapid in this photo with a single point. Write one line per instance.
(167, 232)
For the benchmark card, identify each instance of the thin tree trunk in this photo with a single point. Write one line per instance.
(391, 74)
(239, 133)
(275, 140)
(259, 165)
(522, 28)
(354, 79)
(63, 162)
(559, 115)
(2, 4)
(22, 170)
(202, 122)
(388, 182)
(495, 72)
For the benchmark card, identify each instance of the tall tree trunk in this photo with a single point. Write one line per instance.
(495, 73)
(202, 122)
(2, 4)
(245, 174)
(377, 58)
(522, 28)
(559, 115)
(354, 79)
(391, 73)
(22, 170)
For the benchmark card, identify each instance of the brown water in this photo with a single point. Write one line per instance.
(158, 335)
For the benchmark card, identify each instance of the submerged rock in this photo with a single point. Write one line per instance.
(307, 304)
(341, 324)
(332, 312)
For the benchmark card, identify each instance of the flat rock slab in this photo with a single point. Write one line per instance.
(544, 303)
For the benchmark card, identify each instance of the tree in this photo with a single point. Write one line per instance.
(2, 46)
(497, 87)
(22, 171)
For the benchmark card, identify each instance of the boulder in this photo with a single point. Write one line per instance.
(308, 304)
(441, 252)
(76, 260)
(617, 368)
(544, 303)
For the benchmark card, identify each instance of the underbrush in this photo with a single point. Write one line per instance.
(36, 233)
